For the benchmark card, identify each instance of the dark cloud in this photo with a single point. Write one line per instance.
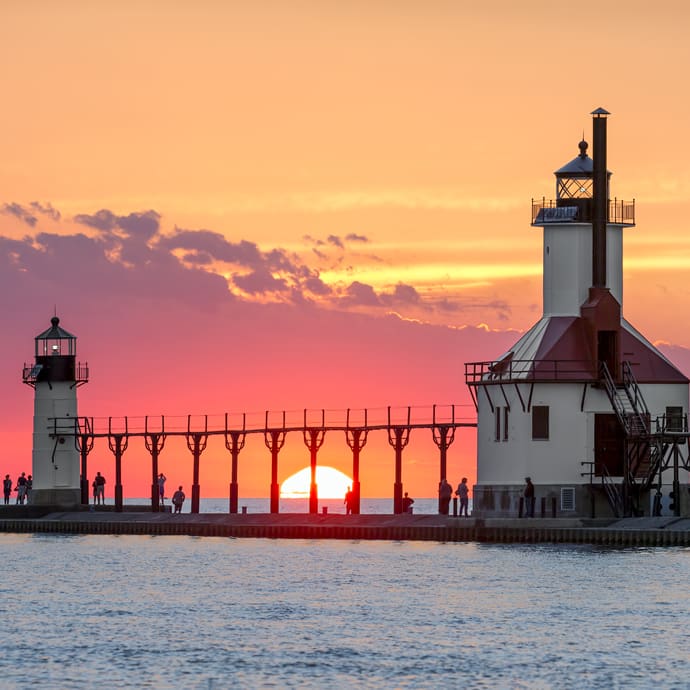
(361, 294)
(402, 294)
(45, 209)
(101, 220)
(18, 211)
(354, 237)
(336, 241)
(142, 225)
(259, 281)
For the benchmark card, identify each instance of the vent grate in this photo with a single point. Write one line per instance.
(568, 499)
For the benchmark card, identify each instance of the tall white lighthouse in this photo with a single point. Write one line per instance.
(582, 404)
(55, 377)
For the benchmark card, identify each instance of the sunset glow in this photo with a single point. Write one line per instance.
(331, 483)
(240, 207)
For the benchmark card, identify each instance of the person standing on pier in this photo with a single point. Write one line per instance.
(178, 499)
(161, 488)
(463, 493)
(348, 501)
(99, 489)
(445, 492)
(29, 486)
(7, 488)
(529, 497)
(21, 488)
(407, 503)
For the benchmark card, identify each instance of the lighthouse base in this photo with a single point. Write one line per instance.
(61, 498)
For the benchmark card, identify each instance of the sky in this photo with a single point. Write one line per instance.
(249, 206)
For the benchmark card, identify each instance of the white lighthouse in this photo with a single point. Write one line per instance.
(582, 404)
(55, 377)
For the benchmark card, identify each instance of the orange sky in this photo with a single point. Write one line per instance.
(393, 145)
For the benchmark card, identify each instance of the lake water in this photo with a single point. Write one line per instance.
(89, 611)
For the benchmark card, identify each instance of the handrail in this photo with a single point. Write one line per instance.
(612, 492)
(509, 369)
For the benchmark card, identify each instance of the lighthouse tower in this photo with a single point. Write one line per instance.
(582, 404)
(55, 377)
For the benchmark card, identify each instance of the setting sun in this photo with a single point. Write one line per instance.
(332, 483)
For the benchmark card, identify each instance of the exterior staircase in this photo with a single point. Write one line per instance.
(643, 453)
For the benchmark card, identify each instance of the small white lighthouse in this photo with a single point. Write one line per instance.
(582, 404)
(55, 377)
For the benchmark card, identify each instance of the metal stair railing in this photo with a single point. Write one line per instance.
(630, 408)
(636, 399)
(613, 494)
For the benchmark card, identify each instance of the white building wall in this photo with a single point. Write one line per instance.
(567, 260)
(557, 460)
(54, 466)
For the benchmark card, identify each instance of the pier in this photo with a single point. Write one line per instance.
(628, 532)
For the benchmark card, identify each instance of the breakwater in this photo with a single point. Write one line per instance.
(626, 532)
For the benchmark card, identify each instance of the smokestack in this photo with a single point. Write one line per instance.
(601, 201)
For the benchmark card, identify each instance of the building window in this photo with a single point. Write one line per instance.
(497, 424)
(674, 419)
(506, 410)
(540, 423)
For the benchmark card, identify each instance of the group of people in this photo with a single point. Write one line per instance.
(23, 488)
(178, 497)
(445, 493)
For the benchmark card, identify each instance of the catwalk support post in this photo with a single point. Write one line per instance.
(196, 442)
(274, 438)
(444, 435)
(154, 442)
(356, 440)
(398, 438)
(313, 439)
(118, 442)
(234, 442)
(83, 439)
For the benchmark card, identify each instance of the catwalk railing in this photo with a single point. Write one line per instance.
(356, 424)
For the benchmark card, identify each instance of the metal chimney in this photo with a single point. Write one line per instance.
(601, 201)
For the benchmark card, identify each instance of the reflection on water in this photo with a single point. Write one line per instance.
(190, 612)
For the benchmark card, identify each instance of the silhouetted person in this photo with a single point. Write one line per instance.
(21, 488)
(529, 497)
(407, 503)
(161, 488)
(99, 489)
(178, 499)
(445, 491)
(349, 500)
(29, 486)
(463, 493)
(7, 488)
